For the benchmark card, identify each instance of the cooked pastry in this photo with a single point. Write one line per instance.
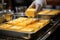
(17, 21)
(54, 12)
(26, 30)
(5, 26)
(28, 21)
(35, 26)
(15, 28)
(44, 12)
(30, 12)
(21, 19)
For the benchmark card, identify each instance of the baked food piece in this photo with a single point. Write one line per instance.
(35, 26)
(30, 12)
(17, 21)
(40, 25)
(54, 12)
(44, 12)
(44, 21)
(49, 12)
(15, 28)
(5, 26)
(12, 23)
(21, 19)
(28, 21)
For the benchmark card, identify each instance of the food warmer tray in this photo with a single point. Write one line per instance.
(48, 15)
(40, 35)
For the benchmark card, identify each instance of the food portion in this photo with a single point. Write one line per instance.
(54, 12)
(5, 26)
(49, 12)
(30, 12)
(24, 25)
(17, 21)
(35, 26)
(22, 21)
(28, 22)
(15, 28)
(44, 12)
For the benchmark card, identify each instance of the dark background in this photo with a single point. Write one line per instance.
(13, 3)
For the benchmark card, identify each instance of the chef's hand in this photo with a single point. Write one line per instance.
(36, 6)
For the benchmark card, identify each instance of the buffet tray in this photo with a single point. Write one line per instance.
(50, 10)
(47, 16)
(39, 33)
(25, 35)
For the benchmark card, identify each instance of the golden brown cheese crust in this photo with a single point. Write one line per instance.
(54, 12)
(29, 25)
(44, 12)
(30, 12)
(49, 12)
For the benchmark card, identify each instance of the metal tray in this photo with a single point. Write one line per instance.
(32, 36)
(49, 14)
(40, 33)
(24, 35)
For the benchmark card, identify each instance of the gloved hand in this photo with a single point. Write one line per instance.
(38, 5)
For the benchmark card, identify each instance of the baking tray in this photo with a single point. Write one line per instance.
(32, 36)
(34, 31)
(41, 34)
(47, 16)
(29, 35)
(24, 35)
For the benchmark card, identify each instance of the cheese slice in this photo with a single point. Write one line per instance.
(27, 29)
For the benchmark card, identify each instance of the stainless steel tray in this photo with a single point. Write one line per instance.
(39, 33)
(32, 36)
